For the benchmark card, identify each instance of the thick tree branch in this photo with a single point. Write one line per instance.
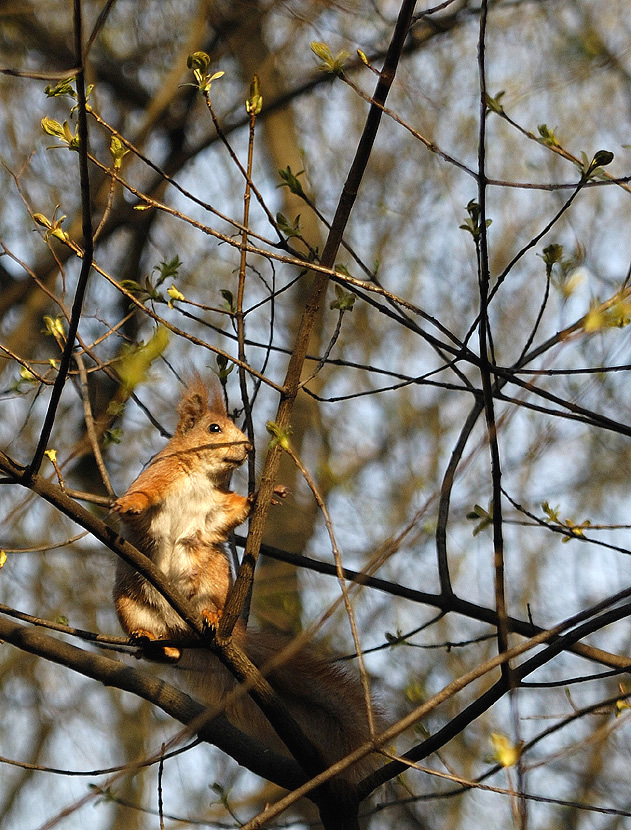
(218, 731)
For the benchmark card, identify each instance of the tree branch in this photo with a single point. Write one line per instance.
(217, 730)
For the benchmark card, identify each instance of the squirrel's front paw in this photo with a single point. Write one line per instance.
(280, 492)
(132, 503)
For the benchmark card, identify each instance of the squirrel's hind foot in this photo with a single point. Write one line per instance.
(151, 648)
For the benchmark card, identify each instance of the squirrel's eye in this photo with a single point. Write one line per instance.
(214, 428)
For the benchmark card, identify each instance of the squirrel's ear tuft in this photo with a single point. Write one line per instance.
(216, 401)
(193, 405)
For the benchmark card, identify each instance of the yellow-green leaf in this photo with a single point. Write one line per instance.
(42, 220)
(27, 375)
(254, 103)
(594, 320)
(504, 752)
(175, 294)
(118, 151)
(52, 127)
(54, 326)
(198, 60)
(134, 366)
(279, 436)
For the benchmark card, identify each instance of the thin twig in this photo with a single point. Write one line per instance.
(342, 583)
(90, 427)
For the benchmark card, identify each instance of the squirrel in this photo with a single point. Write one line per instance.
(179, 512)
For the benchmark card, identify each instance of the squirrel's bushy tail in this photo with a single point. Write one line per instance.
(325, 699)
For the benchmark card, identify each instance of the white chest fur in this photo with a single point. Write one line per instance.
(187, 517)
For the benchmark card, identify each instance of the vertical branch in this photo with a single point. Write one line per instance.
(486, 355)
(88, 249)
(253, 109)
(485, 367)
(310, 314)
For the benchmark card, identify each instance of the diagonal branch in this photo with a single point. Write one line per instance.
(233, 657)
(238, 595)
(218, 731)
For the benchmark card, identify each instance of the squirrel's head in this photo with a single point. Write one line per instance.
(205, 435)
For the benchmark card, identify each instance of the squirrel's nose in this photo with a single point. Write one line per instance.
(248, 447)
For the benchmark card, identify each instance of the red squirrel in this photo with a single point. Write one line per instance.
(179, 512)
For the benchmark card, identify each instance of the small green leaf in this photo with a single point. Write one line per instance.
(130, 285)
(254, 103)
(61, 131)
(279, 436)
(483, 517)
(472, 223)
(548, 136)
(290, 180)
(51, 455)
(334, 65)
(415, 692)
(42, 220)
(224, 367)
(393, 638)
(344, 300)
(134, 365)
(52, 127)
(118, 151)
(167, 270)
(174, 294)
(53, 226)
(113, 435)
(493, 103)
(290, 230)
(27, 376)
(229, 298)
(617, 315)
(54, 326)
(505, 752)
(551, 254)
(551, 512)
(199, 61)
(61, 88)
